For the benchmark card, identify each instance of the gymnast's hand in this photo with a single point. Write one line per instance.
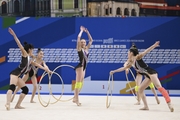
(47, 70)
(82, 28)
(86, 30)
(111, 72)
(11, 32)
(127, 71)
(50, 72)
(156, 44)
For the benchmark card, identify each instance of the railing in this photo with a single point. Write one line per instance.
(43, 13)
(12, 14)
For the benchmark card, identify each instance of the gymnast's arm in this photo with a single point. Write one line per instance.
(24, 53)
(90, 39)
(125, 64)
(78, 46)
(156, 44)
(122, 68)
(45, 66)
(40, 66)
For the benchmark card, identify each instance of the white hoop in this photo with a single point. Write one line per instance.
(129, 84)
(109, 91)
(57, 99)
(50, 90)
(58, 68)
(63, 66)
(39, 96)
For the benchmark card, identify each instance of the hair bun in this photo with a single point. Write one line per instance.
(133, 45)
(25, 43)
(39, 49)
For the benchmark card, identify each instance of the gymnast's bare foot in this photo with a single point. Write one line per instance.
(32, 101)
(158, 101)
(144, 108)
(76, 101)
(7, 107)
(138, 103)
(12, 98)
(170, 107)
(19, 107)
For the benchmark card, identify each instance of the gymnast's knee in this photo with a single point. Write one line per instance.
(165, 94)
(136, 88)
(78, 85)
(12, 87)
(25, 90)
(151, 85)
(140, 89)
(81, 85)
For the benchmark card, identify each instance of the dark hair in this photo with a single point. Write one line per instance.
(134, 49)
(39, 50)
(28, 46)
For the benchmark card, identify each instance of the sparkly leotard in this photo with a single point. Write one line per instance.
(23, 67)
(142, 68)
(83, 58)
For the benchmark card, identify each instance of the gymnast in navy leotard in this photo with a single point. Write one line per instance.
(32, 73)
(80, 69)
(139, 77)
(24, 67)
(83, 59)
(135, 60)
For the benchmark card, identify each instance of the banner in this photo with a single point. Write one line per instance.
(112, 38)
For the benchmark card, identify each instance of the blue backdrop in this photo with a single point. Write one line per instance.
(112, 38)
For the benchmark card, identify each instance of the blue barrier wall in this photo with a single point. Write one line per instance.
(112, 39)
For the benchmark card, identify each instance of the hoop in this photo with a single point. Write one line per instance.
(109, 91)
(50, 90)
(63, 66)
(39, 96)
(62, 80)
(57, 99)
(129, 84)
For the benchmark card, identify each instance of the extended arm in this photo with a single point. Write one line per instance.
(40, 66)
(127, 66)
(90, 39)
(156, 44)
(127, 70)
(78, 46)
(24, 53)
(44, 64)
